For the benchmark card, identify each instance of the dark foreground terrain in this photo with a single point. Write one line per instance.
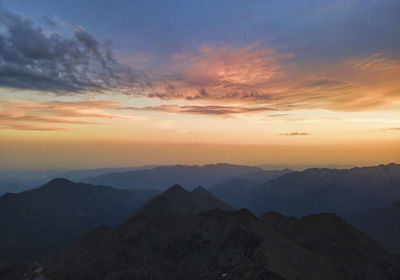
(42, 221)
(192, 235)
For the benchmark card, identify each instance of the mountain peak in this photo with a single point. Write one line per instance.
(178, 200)
(59, 181)
(199, 190)
(175, 188)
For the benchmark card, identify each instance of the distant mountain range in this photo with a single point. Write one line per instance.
(299, 167)
(41, 221)
(192, 235)
(164, 176)
(17, 181)
(340, 191)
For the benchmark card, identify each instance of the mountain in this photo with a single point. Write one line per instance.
(18, 181)
(382, 223)
(238, 190)
(178, 235)
(10, 270)
(165, 176)
(41, 221)
(302, 167)
(76, 175)
(326, 234)
(261, 176)
(177, 200)
(340, 191)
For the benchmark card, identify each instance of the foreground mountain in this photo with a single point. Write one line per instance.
(177, 235)
(340, 191)
(41, 221)
(382, 223)
(164, 176)
(326, 234)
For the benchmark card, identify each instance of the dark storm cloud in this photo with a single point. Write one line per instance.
(32, 59)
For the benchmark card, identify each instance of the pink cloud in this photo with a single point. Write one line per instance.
(53, 115)
(255, 75)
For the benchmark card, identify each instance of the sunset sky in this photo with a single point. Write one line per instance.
(86, 84)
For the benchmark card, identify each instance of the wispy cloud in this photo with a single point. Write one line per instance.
(295, 134)
(202, 109)
(223, 73)
(54, 115)
(16, 125)
(392, 128)
(256, 76)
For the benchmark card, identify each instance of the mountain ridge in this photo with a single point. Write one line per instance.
(162, 177)
(340, 191)
(219, 244)
(40, 221)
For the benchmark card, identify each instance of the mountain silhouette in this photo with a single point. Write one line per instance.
(340, 191)
(381, 223)
(179, 201)
(18, 181)
(360, 256)
(238, 190)
(164, 176)
(41, 221)
(171, 237)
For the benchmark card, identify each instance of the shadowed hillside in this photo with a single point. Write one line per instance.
(382, 223)
(177, 235)
(40, 221)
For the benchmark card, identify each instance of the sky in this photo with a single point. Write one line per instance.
(87, 84)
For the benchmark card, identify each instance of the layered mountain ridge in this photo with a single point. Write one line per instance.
(299, 193)
(173, 237)
(162, 177)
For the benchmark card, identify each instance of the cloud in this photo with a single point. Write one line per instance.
(392, 128)
(19, 126)
(32, 59)
(296, 134)
(278, 115)
(234, 80)
(259, 76)
(221, 73)
(53, 115)
(49, 21)
(201, 109)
